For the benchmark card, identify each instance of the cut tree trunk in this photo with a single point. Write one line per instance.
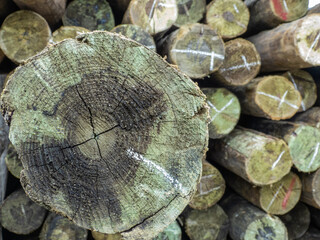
(172, 232)
(304, 83)
(105, 123)
(18, 214)
(210, 188)
(224, 111)
(291, 45)
(51, 10)
(190, 11)
(229, 17)
(104, 236)
(258, 158)
(315, 9)
(13, 162)
(310, 188)
(278, 198)
(297, 221)
(248, 222)
(23, 34)
(57, 227)
(154, 16)
(241, 63)
(92, 15)
(196, 49)
(303, 141)
(310, 117)
(66, 32)
(137, 34)
(272, 97)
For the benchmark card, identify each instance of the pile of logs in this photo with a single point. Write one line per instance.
(160, 119)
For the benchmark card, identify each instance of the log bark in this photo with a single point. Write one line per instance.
(23, 34)
(51, 10)
(241, 64)
(18, 214)
(310, 117)
(13, 162)
(229, 17)
(196, 49)
(66, 32)
(154, 16)
(249, 222)
(278, 198)
(210, 188)
(212, 223)
(57, 227)
(224, 111)
(92, 15)
(303, 141)
(107, 127)
(137, 34)
(190, 11)
(315, 9)
(272, 97)
(312, 234)
(310, 188)
(256, 157)
(291, 45)
(304, 83)
(297, 221)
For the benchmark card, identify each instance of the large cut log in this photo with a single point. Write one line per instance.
(241, 63)
(248, 222)
(100, 134)
(51, 10)
(23, 34)
(291, 45)
(13, 162)
(196, 49)
(190, 11)
(256, 157)
(310, 188)
(310, 117)
(66, 32)
(229, 17)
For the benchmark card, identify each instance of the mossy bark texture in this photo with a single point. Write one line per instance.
(66, 32)
(190, 11)
(100, 134)
(310, 188)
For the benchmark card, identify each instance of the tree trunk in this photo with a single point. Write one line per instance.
(310, 117)
(229, 17)
(66, 32)
(241, 64)
(291, 45)
(100, 135)
(310, 188)
(190, 11)
(258, 158)
(13, 162)
(23, 34)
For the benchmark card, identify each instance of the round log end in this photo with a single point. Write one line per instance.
(190, 11)
(66, 32)
(288, 11)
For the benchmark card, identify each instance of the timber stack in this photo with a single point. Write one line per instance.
(159, 119)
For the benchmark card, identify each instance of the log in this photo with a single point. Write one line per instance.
(18, 214)
(23, 34)
(315, 216)
(92, 15)
(297, 41)
(266, 14)
(107, 127)
(256, 157)
(315, 9)
(154, 16)
(212, 223)
(65, 32)
(272, 97)
(310, 188)
(104, 236)
(297, 221)
(310, 117)
(249, 222)
(303, 141)
(137, 34)
(57, 227)
(278, 198)
(229, 17)
(304, 83)
(224, 111)
(51, 10)
(13, 162)
(241, 64)
(196, 49)
(190, 11)
(312, 234)
(210, 188)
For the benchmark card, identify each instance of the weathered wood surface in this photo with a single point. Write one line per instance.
(310, 188)
(291, 45)
(66, 32)
(23, 34)
(13, 162)
(310, 117)
(190, 11)
(315, 9)
(100, 135)
(104, 236)
(256, 157)
(241, 63)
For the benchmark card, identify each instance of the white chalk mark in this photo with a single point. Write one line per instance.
(296, 87)
(274, 197)
(212, 61)
(151, 46)
(235, 8)
(314, 154)
(167, 5)
(217, 110)
(245, 62)
(285, 6)
(240, 66)
(186, 10)
(312, 45)
(208, 176)
(277, 161)
(152, 9)
(208, 191)
(197, 52)
(153, 166)
(240, 24)
(215, 38)
(283, 99)
(23, 210)
(278, 99)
